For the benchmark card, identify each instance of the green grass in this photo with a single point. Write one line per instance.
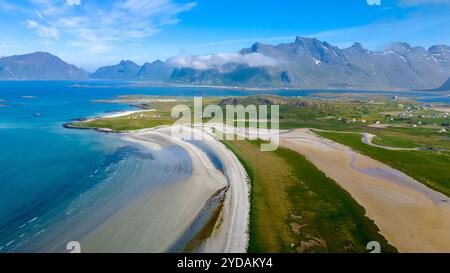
(395, 141)
(296, 208)
(429, 167)
(411, 137)
(126, 123)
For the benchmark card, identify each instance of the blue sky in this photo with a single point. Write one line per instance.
(91, 33)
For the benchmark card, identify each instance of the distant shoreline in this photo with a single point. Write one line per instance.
(246, 88)
(76, 84)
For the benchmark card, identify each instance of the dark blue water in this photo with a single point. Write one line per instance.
(46, 171)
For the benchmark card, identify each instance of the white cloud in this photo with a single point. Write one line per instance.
(42, 31)
(99, 26)
(218, 60)
(73, 2)
(122, 21)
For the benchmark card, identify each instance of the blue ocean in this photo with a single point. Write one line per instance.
(52, 177)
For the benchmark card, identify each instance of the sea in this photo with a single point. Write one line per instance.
(51, 177)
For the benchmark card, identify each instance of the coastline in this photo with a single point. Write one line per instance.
(115, 114)
(280, 88)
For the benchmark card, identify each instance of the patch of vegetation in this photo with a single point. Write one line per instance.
(411, 138)
(428, 167)
(296, 208)
(135, 121)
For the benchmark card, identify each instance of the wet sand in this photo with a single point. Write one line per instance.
(411, 216)
(230, 234)
(158, 219)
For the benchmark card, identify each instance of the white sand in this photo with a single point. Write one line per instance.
(157, 220)
(126, 113)
(231, 232)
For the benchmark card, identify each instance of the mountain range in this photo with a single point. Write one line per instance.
(444, 87)
(39, 66)
(304, 63)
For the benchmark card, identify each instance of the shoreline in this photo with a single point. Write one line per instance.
(190, 199)
(114, 114)
(246, 88)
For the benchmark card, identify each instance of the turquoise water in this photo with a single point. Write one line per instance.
(46, 170)
(52, 178)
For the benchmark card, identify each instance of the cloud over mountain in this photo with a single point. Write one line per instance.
(305, 63)
(216, 61)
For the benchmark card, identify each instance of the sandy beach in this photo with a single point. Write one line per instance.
(230, 234)
(158, 219)
(126, 113)
(411, 216)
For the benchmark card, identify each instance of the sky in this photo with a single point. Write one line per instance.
(93, 33)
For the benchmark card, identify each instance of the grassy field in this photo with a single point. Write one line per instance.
(338, 115)
(296, 208)
(161, 115)
(411, 137)
(429, 167)
(135, 121)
